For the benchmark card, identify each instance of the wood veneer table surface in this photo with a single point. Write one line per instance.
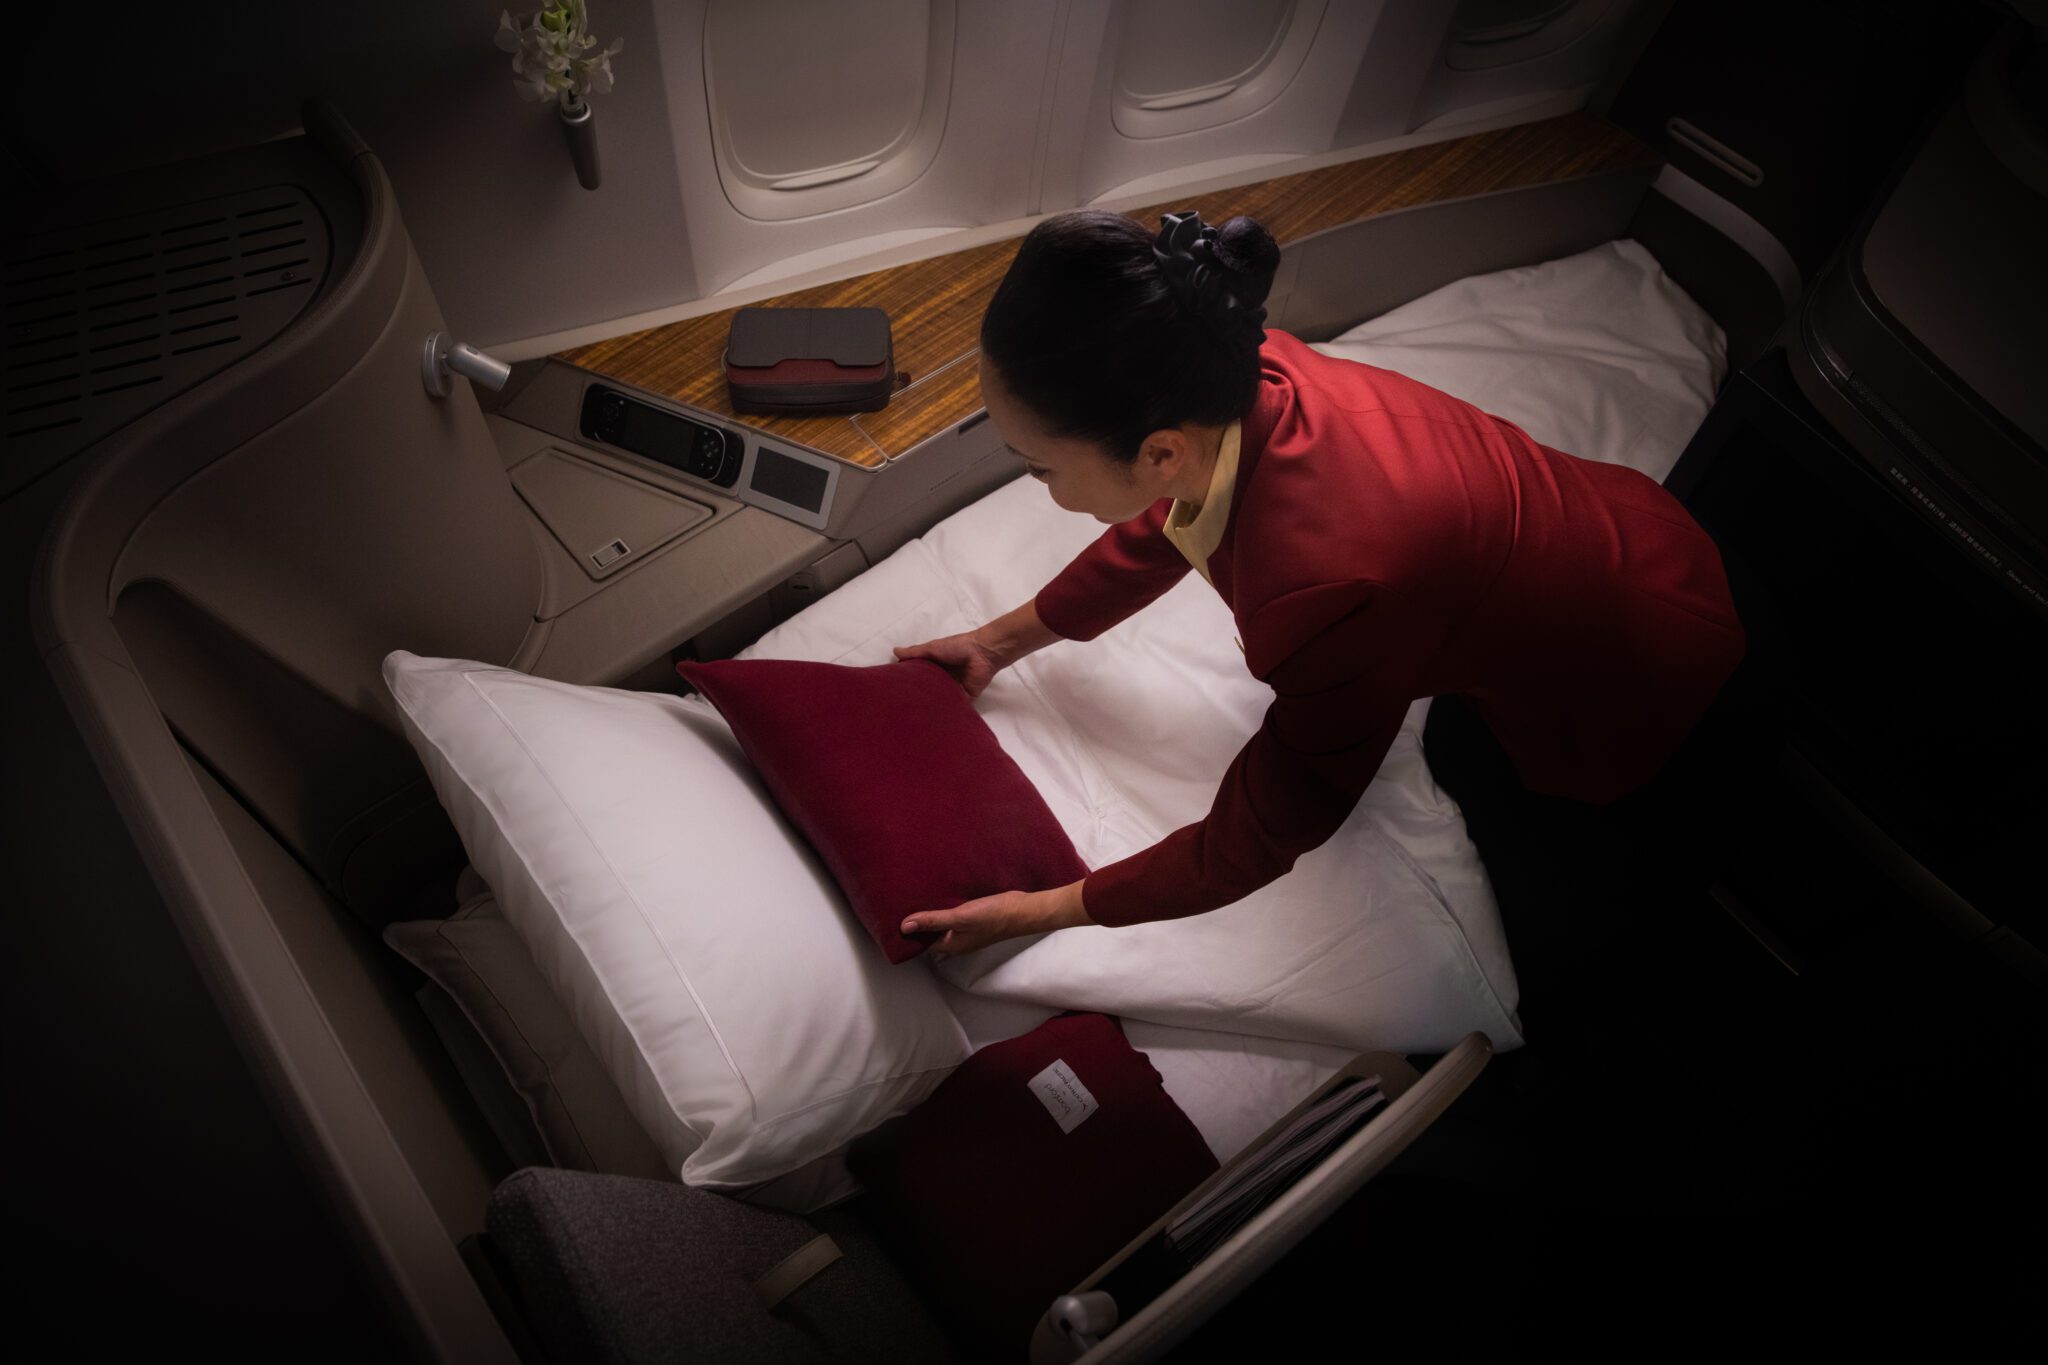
(935, 305)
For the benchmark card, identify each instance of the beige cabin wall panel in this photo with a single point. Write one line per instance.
(517, 249)
(1371, 71)
(1500, 55)
(1279, 77)
(1187, 55)
(816, 106)
(974, 167)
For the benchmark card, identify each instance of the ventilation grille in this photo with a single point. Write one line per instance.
(107, 320)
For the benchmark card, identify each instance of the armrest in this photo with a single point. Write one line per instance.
(1415, 1102)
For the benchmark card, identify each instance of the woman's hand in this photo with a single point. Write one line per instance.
(977, 656)
(1012, 914)
(969, 658)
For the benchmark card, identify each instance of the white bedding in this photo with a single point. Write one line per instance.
(1597, 354)
(1384, 938)
(1388, 936)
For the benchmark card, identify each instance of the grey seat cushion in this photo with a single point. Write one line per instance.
(538, 1083)
(479, 962)
(616, 1269)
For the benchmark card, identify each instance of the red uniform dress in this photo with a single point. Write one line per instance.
(1386, 542)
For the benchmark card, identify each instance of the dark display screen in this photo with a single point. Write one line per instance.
(791, 481)
(704, 452)
(650, 431)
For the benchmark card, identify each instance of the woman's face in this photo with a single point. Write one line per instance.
(1077, 474)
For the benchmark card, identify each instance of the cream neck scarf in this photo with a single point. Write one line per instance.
(1196, 532)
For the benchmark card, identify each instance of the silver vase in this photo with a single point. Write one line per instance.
(581, 130)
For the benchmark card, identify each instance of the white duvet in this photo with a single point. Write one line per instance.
(1387, 937)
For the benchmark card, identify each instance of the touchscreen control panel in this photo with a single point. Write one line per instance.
(784, 479)
(695, 448)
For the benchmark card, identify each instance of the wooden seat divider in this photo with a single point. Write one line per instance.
(935, 305)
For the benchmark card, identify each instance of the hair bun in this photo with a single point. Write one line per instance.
(1223, 276)
(1245, 249)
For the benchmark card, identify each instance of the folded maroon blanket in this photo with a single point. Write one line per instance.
(1035, 1161)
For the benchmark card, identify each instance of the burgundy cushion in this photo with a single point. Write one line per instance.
(896, 782)
(996, 1209)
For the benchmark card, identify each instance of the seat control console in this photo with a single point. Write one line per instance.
(698, 449)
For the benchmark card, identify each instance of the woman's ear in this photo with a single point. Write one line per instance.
(1162, 456)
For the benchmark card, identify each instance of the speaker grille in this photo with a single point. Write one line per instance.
(106, 320)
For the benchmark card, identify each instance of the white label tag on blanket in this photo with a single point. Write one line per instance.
(1063, 1095)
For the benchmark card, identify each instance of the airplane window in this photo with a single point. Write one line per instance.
(817, 105)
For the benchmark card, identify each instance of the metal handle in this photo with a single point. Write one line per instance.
(445, 356)
(1084, 1319)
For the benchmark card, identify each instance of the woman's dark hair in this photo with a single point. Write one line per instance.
(1109, 333)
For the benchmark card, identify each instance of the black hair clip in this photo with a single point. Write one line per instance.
(1185, 251)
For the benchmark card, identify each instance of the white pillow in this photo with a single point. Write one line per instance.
(704, 954)
(1598, 354)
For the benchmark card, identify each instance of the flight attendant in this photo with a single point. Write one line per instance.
(1377, 541)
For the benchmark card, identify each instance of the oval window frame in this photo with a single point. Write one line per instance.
(847, 184)
(1175, 113)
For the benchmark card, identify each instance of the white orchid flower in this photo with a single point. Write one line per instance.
(554, 55)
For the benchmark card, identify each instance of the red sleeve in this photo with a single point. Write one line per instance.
(1129, 566)
(1339, 698)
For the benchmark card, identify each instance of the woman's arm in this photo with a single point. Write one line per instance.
(1340, 696)
(1016, 633)
(1129, 566)
(1126, 567)
(1349, 659)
